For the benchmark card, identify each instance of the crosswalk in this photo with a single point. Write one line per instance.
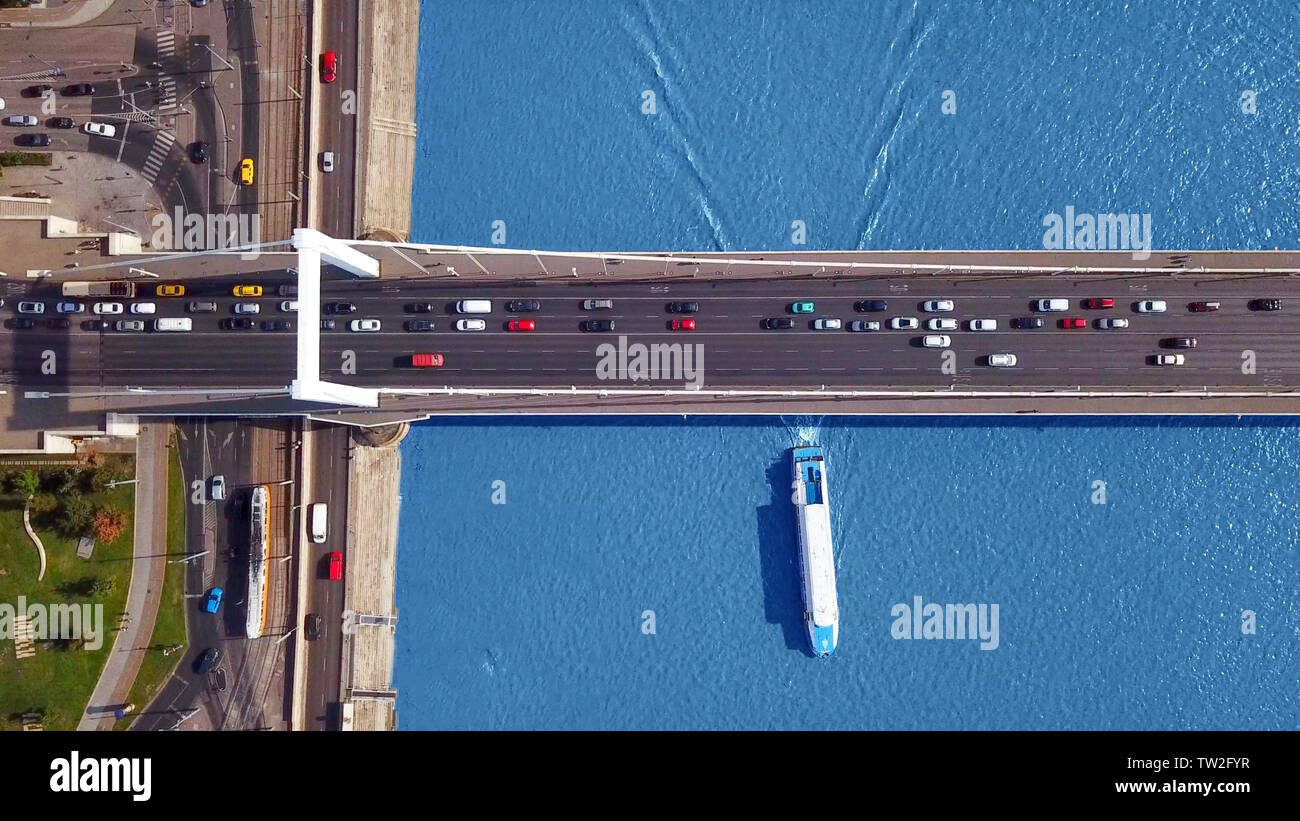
(162, 146)
(166, 89)
(166, 42)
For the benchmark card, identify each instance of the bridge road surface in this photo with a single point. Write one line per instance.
(737, 351)
(330, 455)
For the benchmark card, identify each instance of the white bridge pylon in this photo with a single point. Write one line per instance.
(312, 247)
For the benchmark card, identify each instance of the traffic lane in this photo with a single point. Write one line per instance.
(325, 598)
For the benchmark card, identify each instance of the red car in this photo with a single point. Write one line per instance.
(521, 325)
(426, 360)
(1203, 307)
(336, 566)
(1073, 323)
(683, 324)
(329, 67)
(1099, 302)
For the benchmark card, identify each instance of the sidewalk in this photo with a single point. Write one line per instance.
(65, 16)
(147, 568)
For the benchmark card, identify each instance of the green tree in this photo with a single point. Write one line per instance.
(101, 587)
(27, 483)
(76, 515)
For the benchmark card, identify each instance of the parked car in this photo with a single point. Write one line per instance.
(1170, 359)
(983, 325)
(1027, 323)
(1002, 360)
(364, 325)
(683, 307)
(596, 325)
(1073, 323)
(414, 325)
(1151, 306)
(218, 487)
(20, 120)
(70, 307)
(934, 306)
(28, 307)
(864, 325)
(778, 323)
(1265, 305)
(827, 324)
(32, 140)
(943, 324)
(904, 323)
(471, 325)
(1203, 307)
(1112, 323)
(1097, 303)
(866, 305)
(521, 325)
(936, 341)
(100, 129)
(1184, 342)
(212, 602)
(78, 90)
(521, 306)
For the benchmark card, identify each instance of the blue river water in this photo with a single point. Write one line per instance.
(533, 612)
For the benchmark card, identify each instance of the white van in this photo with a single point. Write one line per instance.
(1052, 305)
(173, 324)
(474, 306)
(319, 522)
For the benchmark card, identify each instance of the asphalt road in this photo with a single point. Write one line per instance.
(338, 130)
(325, 597)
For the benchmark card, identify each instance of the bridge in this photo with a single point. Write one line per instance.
(1246, 361)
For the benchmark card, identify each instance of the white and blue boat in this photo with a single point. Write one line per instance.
(821, 611)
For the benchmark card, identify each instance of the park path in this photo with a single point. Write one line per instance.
(31, 534)
(148, 564)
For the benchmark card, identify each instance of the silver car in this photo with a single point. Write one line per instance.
(364, 325)
(247, 308)
(70, 307)
(470, 325)
(941, 324)
(1151, 306)
(130, 324)
(937, 306)
(936, 341)
(218, 487)
(827, 325)
(1112, 323)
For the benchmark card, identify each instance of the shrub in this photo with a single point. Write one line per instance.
(108, 524)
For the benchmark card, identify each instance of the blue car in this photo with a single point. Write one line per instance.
(213, 602)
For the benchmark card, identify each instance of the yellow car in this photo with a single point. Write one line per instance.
(171, 290)
(246, 171)
(248, 290)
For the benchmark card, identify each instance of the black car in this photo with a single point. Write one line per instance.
(58, 323)
(288, 289)
(1179, 342)
(419, 325)
(419, 307)
(277, 325)
(1026, 323)
(32, 139)
(683, 307)
(327, 325)
(520, 306)
(1266, 304)
(238, 323)
(198, 152)
(313, 625)
(339, 308)
(95, 325)
(60, 122)
(865, 305)
(22, 323)
(598, 324)
(79, 90)
(778, 323)
(37, 91)
(208, 660)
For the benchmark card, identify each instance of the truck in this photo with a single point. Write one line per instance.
(119, 289)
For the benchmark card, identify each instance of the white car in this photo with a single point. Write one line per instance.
(1048, 306)
(983, 324)
(941, 324)
(108, 307)
(827, 325)
(364, 325)
(101, 129)
(936, 341)
(471, 325)
(327, 161)
(1112, 323)
(289, 306)
(31, 307)
(1170, 359)
(904, 323)
(143, 307)
(1151, 306)
(20, 119)
(218, 487)
(1002, 360)
(70, 307)
(937, 306)
(2, 104)
(247, 308)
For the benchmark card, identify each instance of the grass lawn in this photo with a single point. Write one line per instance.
(56, 681)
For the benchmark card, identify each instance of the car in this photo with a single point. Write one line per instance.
(1151, 306)
(778, 323)
(1170, 359)
(471, 325)
(982, 325)
(95, 325)
(1048, 306)
(336, 566)
(522, 306)
(904, 323)
(277, 325)
(144, 308)
(329, 324)
(130, 325)
(1202, 307)
(597, 304)
(1027, 323)
(327, 162)
(1265, 305)
(312, 626)
(941, 324)
(862, 325)
(37, 91)
(521, 325)
(201, 307)
(1002, 360)
(364, 325)
(289, 306)
(1112, 323)
(683, 307)
(802, 307)
(246, 171)
(246, 308)
(419, 307)
(870, 305)
(419, 325)
(20, 120)
(61, 122)
(687, 324)
(598, 325)
(212, 602)
(218, 487)
(169, 290)
(329, 67)
(1185, 342)
(937, 305)
(936, 341)
(426, 360)
(1073, 323)
(339, 307)
(287, 289)
(239, 323)
(32, 140)
(70, 307)
(826, 324)
(1097, 303)
(22, 323)
(247, 290)
(58, 323)
(100, 129)
(27, 307)
(198, 152)
(78, 90)
(208, 660)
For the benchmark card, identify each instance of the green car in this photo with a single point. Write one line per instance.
(801, 308)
